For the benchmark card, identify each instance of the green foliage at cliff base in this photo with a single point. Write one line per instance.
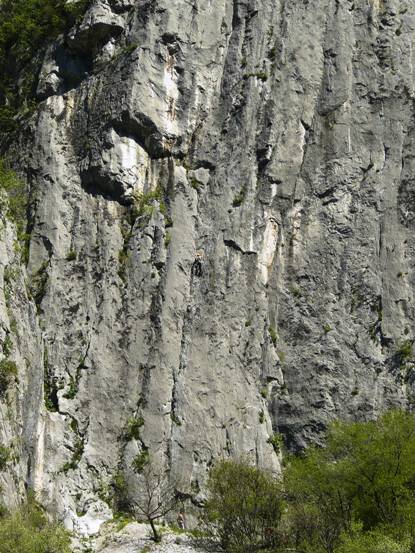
(355, 495)
(28, 531)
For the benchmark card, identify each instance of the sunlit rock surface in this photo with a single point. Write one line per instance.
(265, 282)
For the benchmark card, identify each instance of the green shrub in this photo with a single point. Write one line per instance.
(140, 461)
(133, 428)
(273, 334)
(120, 493)
(7, 345)
(244, 507)
(404, 351)
(143, 202)
(277, 442)
(295, 291)
(26, 27)
(365, 474)
(76, 455)
(264, 392)
(5, 456)
(8, 373)
(28, 531)
(73, 388)
(239, 198)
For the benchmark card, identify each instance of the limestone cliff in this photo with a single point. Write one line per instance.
(222, 212)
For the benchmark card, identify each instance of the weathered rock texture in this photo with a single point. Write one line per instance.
(278, 139)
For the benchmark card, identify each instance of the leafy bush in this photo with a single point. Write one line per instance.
(120, 493)
(365, 474)
(355, 495)
(133, 428)
(143, 203)
(28, 531)
(244, 507)
(277, 442)
(140, 461)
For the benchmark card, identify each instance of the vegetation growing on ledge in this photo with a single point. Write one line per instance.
(26, 26)
(140, 461)
(5, 456)
(8, 373)
(404, 351)
(17, 203)
(277, 442)
(77, 453)
(144, 203)
(133, 428)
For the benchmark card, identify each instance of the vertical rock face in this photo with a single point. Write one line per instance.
(222, 238)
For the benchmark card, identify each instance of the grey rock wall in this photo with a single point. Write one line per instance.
(271, 140)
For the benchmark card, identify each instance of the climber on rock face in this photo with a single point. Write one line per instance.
(181, 521)
(197, 267)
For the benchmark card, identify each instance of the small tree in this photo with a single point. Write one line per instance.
(244, 507)
(158, 497)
